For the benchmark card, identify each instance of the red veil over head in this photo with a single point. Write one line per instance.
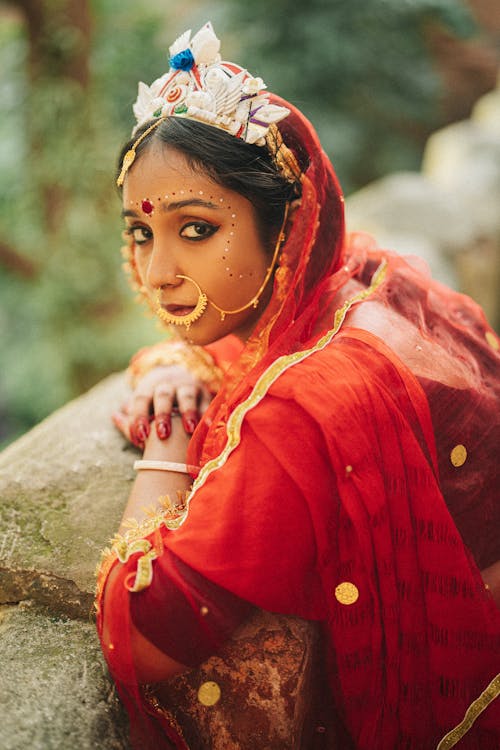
(352, 442)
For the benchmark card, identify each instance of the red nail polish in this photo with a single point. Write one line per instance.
(142, 429)
(163, 427)
(190, 419)
(134, 439)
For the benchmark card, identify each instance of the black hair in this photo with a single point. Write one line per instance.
(230, 162)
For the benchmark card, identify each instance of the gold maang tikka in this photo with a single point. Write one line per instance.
(203, 300)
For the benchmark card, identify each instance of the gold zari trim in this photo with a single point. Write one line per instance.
(266, 380)
(173, 516)
(123, 546)
(475, 708)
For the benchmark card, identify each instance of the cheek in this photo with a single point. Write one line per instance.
(141, 263)
(239, 258)
(226, 257)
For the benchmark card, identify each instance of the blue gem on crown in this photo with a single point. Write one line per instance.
(201, 87)
(183, 60)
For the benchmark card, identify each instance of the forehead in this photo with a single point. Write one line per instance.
(159, 170)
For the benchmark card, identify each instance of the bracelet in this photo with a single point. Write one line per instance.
(166, 466)
(193, 358)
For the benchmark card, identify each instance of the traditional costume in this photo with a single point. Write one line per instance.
(349, 476)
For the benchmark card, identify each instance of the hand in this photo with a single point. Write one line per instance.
(164, 390)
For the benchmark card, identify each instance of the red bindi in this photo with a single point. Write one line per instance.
(147, 206)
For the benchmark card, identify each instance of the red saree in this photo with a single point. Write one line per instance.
(351, 452)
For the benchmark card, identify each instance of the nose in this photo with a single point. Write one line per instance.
(162, 268)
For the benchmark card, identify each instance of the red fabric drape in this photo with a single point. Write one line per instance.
(341, 471)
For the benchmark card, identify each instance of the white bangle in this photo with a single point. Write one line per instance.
(166, 466)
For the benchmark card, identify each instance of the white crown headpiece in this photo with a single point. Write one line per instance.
(201, 87)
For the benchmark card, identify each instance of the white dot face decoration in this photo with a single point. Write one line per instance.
(147, 206)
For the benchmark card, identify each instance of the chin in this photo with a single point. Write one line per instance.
(198, 334)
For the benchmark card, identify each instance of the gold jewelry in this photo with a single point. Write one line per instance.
(199, 86)
(203, 300)
(255, 299)
(284, 159)
(129, 157)
(182, 320)
(176, 352)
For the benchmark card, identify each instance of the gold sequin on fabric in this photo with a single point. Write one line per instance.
(346, 593)
(492, 340)
(458, 455)
(476, 708)
(209, 694)
(163, 516)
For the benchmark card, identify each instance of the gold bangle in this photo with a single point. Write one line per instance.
(194, 358)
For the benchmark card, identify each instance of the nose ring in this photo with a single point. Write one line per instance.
(182, 320)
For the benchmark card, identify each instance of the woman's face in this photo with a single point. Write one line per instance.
(184, 224)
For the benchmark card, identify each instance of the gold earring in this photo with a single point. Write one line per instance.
(182, 320)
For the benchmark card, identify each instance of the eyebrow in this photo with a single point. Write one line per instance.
(174, 206)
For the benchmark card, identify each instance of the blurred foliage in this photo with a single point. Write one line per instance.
(360, 70)
(69, 321)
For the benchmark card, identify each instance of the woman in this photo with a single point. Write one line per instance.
(344, 472)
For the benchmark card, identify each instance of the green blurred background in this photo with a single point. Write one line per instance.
(375, 76)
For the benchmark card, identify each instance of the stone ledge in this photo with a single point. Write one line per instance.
(55, 692)
(63, 488)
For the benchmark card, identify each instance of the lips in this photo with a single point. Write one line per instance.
(178, 309)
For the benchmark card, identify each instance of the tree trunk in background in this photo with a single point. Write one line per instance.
(59, 37)
(469, 67)
(59, 33)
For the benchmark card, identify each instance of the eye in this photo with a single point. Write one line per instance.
(140, 234)
(198, 230)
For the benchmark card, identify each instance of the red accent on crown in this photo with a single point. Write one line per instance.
(147, 206)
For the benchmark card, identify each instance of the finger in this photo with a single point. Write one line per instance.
(187, 400)
(139, 431)
(190, 419)
(163, 425)
(163, 401)
(139, 409)
(163, 398)
(140, 405)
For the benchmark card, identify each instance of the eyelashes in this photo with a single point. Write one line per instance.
(198, 230)
(194, 231)
(140, 234)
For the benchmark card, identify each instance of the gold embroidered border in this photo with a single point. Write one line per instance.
(266, 380)
(123, 546)
(477, 707)
(126, 544)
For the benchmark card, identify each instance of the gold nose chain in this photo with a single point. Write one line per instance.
(203, 300)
